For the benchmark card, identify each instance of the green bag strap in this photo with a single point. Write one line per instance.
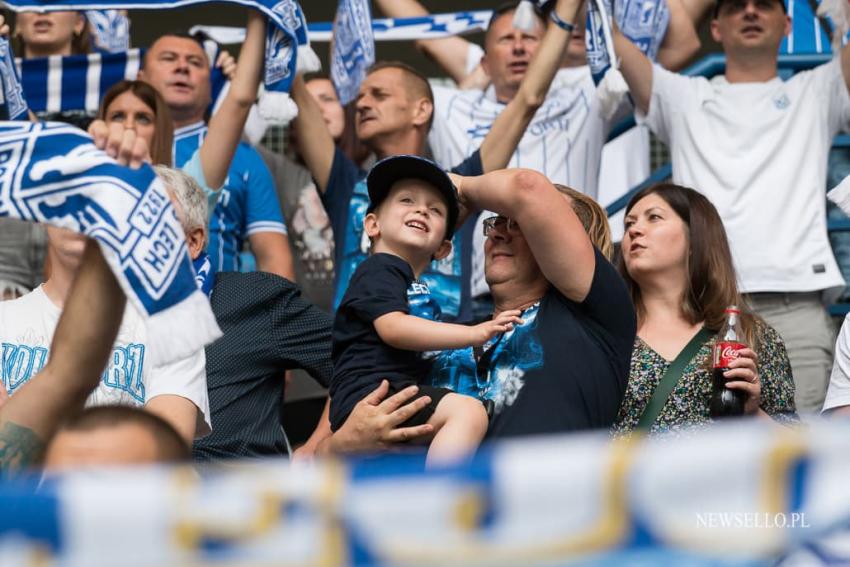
(671, 378)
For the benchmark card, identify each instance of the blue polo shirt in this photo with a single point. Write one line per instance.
(247, 203)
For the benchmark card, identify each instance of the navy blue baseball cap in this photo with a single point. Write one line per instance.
(395, 168)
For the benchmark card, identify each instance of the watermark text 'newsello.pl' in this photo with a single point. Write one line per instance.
(764, 520)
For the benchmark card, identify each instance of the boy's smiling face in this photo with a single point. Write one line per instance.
(410, 223)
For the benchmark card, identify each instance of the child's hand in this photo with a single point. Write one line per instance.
(501, 323)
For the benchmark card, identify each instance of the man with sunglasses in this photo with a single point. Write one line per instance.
(566, 366)
(757, 147)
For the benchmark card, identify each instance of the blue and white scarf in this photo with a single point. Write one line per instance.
(204, 273)
(110, 30)
(286, 35)
(435, 26)
(353, 47)
(52, 173)
(644, 22)
(78, 82)
(13, 106)
(75, 82)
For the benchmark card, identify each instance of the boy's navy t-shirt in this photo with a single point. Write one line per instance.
(360, 358)
(346, 200)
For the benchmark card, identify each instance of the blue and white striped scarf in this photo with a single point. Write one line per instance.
(286, 35)
(644, 22)
(353, 47)
(52, 173)
(78, 82)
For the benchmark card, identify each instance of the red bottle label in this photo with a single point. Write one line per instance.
(726, 352)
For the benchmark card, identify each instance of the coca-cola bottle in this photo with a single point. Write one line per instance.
(726, 402)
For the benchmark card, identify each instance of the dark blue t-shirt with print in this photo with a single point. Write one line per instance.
(565, 368)
(346, 200)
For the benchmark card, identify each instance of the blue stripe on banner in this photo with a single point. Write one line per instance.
(287, 32)
(72, 77)
(799, 473)
(33, 80)
(112, 69)
(31, 515)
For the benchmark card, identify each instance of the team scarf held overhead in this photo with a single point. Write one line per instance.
(353, 47)
(52, 173)
(287, 44)
(13, 106)
(110, 30)
(78, 82)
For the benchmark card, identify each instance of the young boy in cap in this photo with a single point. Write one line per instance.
(410, 221)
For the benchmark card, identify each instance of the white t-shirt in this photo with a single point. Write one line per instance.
(838, 393)
(27, 325)
(563, 141)
(758, 151)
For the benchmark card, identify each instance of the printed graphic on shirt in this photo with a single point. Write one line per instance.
(421, 303)
(442, 277)
(311, 234)
(122, 377)
(517, 353)
(500, 372)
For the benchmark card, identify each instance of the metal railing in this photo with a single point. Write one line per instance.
(708, 67)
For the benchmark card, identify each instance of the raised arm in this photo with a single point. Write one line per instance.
(81, 345)
(552, 230)
(510, 125)
(448, 52)
(681, 41)
(315, 142)
(226, 125)
(845, 65)
(636, 69)
(271, 250)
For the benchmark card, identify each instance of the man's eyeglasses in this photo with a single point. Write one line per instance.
(500, 223)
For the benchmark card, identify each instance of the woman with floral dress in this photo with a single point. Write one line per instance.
(678, 267)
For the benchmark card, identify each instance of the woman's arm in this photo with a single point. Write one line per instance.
(548, 223)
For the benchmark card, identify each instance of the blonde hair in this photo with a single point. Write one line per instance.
(593, 218)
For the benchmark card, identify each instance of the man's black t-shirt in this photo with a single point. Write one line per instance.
(361, 359)
(564, 369)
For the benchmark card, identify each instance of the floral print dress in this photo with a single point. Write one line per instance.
(688, 403)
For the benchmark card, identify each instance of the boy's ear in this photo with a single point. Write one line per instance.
(443, 251)
(370, 225)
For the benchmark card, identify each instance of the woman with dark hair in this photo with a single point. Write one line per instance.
(139, 106)
(678, 268)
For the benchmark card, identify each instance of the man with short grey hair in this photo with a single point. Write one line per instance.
(266, 325)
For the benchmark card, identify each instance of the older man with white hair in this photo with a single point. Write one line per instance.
(268, 328)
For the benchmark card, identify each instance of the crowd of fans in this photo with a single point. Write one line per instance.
(435, 257)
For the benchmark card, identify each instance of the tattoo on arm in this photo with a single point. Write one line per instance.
(20, 448)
